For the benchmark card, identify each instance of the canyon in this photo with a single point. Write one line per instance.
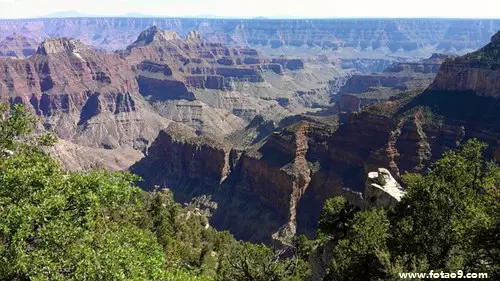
(266, 118)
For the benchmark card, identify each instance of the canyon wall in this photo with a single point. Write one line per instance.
(478, 72)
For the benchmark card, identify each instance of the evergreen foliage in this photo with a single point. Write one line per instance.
(97, 225)
(447, 221)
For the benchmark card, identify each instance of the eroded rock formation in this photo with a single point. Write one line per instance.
(92, 98)
(85, 97)
(382, 190)
(78, 157)
(360, 90)
(478, 72)
(235, 82)
(17, 46)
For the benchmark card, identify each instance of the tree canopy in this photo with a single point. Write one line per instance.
(98, 225)
(449, 220)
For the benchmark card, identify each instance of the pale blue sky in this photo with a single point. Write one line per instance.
(255, 8)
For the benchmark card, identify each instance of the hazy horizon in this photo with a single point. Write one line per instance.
(311, 9)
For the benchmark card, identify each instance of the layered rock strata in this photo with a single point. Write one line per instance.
(235, 80)
(17, 46)
(478, 72)
(361, 90)
(84, 97)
